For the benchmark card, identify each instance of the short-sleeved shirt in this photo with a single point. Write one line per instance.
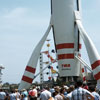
(17, 95)
(80, 94)
(2, 95)
(58, 97)
(12, 96)
(96, 96)
(45, 95)
(69, 95)
(25, 95)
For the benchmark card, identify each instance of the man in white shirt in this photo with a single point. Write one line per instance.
(81, 94)
(58, 96)
(46, 94)
(2, 95)
(69, 95)
(92, 89)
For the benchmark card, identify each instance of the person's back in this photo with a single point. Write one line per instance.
(45, 95)
(96, 95)
(12, 96)
(18, 96)
(81, 94)
(24, 94)
(69, 95)
(57, 94)
(2, 95)
(33, 95)
(58, 97)
(92, 89)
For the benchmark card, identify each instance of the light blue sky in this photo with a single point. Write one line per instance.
(23, 23)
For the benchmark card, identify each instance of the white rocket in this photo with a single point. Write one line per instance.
(67, 28)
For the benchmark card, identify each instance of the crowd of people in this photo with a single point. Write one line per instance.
(71, 92)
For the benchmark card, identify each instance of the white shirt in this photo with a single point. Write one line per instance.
(58, 97)
(96, 96)
(17, 95)
(2, 95)
(45, 95)
(80, 94)
(69, 95)
(12, 96)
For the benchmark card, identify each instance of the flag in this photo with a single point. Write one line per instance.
(83, 73)
(53, 71)
(45, 52)
(47, 62)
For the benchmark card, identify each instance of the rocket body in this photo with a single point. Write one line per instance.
(66, 36)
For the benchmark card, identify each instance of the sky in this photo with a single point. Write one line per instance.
(22, 25)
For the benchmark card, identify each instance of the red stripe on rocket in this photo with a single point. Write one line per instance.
(27, 79)
(30, 69)
(66, 45)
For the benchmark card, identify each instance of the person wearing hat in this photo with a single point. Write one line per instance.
(57, 93)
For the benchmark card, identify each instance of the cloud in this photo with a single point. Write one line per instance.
(20, 19)
(16, 13)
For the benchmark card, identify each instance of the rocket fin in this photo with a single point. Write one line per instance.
(94, 57)
(29, 73)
